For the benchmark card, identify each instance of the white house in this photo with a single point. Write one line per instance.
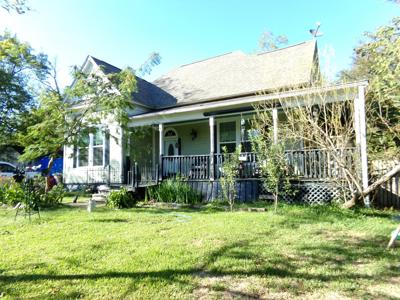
(182, 120)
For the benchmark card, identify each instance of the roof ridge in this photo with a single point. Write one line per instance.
(212, 57)
(287, 47)
(96, 60)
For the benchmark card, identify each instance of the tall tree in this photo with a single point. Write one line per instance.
(67, 116)
(21, 70)
(377, 59)
(19, 6)
(269, 41)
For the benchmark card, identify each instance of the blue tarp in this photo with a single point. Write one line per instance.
(57, 165)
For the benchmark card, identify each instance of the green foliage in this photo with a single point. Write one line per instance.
(67, 116)
(120, 199)
(30, 192)
(19, 6)
(229, 174)
(53, 197)
(174, 191)
(377, 59)
(274, 169)
(315, 252)
(21, 70)
(11, 193)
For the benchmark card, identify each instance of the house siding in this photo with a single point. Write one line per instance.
(199, 145)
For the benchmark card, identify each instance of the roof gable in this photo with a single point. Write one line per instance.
(147, 94)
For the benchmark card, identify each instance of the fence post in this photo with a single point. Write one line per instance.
(157, 174)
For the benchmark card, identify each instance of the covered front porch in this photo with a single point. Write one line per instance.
(186, 142)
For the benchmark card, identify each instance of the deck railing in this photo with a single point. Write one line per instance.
(304, 164)
(319, 163)
(248, 166)
(187, 166)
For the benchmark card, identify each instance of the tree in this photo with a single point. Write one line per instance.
(19, 6)
(229, 174)
(273, 166)
(377, 59)
(21, 70)
(268, 41)
(67, 116)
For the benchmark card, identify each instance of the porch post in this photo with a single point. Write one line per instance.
(212, 147)
(161, 147)
(361, 137)
(275, 123)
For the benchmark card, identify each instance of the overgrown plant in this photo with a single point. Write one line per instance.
(316, 122)
(174, 190)
(229, 175)
(274, 169)
(120, 199)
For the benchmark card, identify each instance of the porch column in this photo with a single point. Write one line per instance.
(161, 147)
(361, 137)
(212, 147)
(275, 123)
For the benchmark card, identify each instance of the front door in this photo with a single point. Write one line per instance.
(170, 167)
(170, 146)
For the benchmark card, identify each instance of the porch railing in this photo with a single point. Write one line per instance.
(187, 166)
(93, 176)
(304, 164)
(320, 164)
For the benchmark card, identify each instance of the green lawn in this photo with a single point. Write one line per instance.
(150, 253)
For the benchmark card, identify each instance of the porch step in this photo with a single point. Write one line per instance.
(99, 197)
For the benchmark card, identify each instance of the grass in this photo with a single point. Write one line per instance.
(161, 253)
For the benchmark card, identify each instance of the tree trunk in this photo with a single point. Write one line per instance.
(48, 178)
(359, 196)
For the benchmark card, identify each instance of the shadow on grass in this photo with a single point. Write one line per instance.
(341, 260)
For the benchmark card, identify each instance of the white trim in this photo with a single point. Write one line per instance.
(275, 124)
(363, 140)
(249, 100)
(170, 129)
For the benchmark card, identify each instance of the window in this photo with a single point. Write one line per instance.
(235, 132)
(6, 168)
(83, 152)
(90, 152)
(98, 148)
(227, 136)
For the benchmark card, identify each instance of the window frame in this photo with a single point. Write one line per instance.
(237, 120)
(90, 148)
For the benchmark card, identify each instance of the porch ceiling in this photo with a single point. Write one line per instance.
(197, 111)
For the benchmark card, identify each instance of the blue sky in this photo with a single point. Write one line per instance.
(125, 32)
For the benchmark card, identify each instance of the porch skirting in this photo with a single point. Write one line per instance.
(252, 190)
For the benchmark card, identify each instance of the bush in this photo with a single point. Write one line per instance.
(54, 196)
(12, 192)
(120, 199)
(174, 190)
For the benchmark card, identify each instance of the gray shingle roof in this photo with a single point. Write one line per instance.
(147, 94)
(236, 73)
(228, 75)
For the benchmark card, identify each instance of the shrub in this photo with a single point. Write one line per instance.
(54, 196)
(33, 190)
(120, 199)
(229, 174)
(174, 190)
(12, 193)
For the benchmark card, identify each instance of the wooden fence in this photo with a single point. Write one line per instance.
(388, 194)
